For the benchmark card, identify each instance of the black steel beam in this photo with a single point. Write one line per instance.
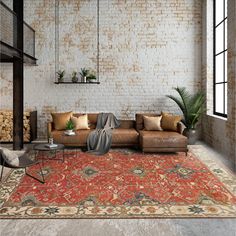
(18, 78)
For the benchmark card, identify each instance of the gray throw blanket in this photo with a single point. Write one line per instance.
(99, 140)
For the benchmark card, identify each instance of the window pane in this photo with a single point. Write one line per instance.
(219, 98)
(219, 11)
(226, 36)
(220, 38)
(226, 66)
(219, 68)
(226, 98)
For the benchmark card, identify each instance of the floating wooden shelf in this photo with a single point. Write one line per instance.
(68, 82)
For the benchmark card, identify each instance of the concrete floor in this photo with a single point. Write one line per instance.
(147, 227)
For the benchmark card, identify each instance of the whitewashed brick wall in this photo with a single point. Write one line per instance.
(220, 133)
(147, 47)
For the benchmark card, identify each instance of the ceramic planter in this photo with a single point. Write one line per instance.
(191, 134)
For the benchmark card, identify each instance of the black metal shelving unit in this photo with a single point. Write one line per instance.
(17, 46)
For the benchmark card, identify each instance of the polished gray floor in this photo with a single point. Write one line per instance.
(162, 227)
(145, 227)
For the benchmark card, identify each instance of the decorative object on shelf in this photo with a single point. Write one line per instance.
(84, 73)
(74, 78)
(192, 108)
(91, 78)
(60, 76)
(69, 126)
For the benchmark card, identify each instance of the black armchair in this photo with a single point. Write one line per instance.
(24, 162)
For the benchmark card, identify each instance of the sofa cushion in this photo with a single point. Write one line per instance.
(80, 139)
(152, 123)
(170, 122)
(162, 139)
(92, 119)
(124, 136)
(80, 122)
(60, 120)
(139, 119)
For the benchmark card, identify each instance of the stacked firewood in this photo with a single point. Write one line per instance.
(6, 126)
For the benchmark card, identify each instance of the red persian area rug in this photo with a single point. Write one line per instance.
(120, 184)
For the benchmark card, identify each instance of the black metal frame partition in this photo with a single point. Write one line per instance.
(215, 54)
(12, 51)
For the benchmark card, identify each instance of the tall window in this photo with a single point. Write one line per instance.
(220, 57)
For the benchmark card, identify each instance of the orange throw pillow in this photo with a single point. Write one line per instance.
(170, 122)
(60, 119)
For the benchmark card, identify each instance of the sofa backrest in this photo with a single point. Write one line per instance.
(92, 117)
(139, 119)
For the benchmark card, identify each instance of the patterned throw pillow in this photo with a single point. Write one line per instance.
(80, 122)
(60, 119)
(152, 123)
(170, 122)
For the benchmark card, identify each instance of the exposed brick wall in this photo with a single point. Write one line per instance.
(146, 49)
(220, 133)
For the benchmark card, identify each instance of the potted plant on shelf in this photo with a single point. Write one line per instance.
(91, 77)
(192, 108)
(84, 73)
(69, 127)
(74, 77)
(60, 76)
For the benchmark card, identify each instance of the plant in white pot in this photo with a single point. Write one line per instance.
(192, 108)
(69, 127)
(84, 73)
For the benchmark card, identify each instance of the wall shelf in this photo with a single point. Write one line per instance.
(68, 82)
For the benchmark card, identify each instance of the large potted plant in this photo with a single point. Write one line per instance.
(192, 108)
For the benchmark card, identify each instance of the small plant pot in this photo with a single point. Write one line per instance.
(60, 80)
(191, 134)
(74, 79)
(69, 131)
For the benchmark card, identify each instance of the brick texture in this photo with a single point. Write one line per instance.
(146, 49)
(220, 133)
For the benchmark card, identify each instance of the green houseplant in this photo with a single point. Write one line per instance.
(84, 73)
(60, 75)
(91, 77)
(69, 126)
(74, 77)
(192, 108)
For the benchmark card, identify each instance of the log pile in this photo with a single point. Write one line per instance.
(6, 126)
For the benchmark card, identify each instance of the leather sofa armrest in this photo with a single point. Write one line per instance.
(49, 129)
(180, 127)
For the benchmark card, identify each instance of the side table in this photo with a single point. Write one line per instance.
(43, 148)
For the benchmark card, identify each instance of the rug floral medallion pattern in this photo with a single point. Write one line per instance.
(121, 184)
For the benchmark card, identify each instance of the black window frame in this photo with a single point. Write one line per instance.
(224, 52)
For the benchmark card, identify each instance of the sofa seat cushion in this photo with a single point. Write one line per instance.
(80, 139)
(124, 136)
(149, 139)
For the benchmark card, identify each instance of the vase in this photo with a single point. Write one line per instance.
(191, 134)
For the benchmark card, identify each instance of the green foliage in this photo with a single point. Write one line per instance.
(190, 105)
(74, 78)
(84, 72)
(70, 125)
(91, 77)
(60, 75)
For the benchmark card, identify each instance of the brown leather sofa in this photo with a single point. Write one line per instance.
(124, 136)
(160, 141)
